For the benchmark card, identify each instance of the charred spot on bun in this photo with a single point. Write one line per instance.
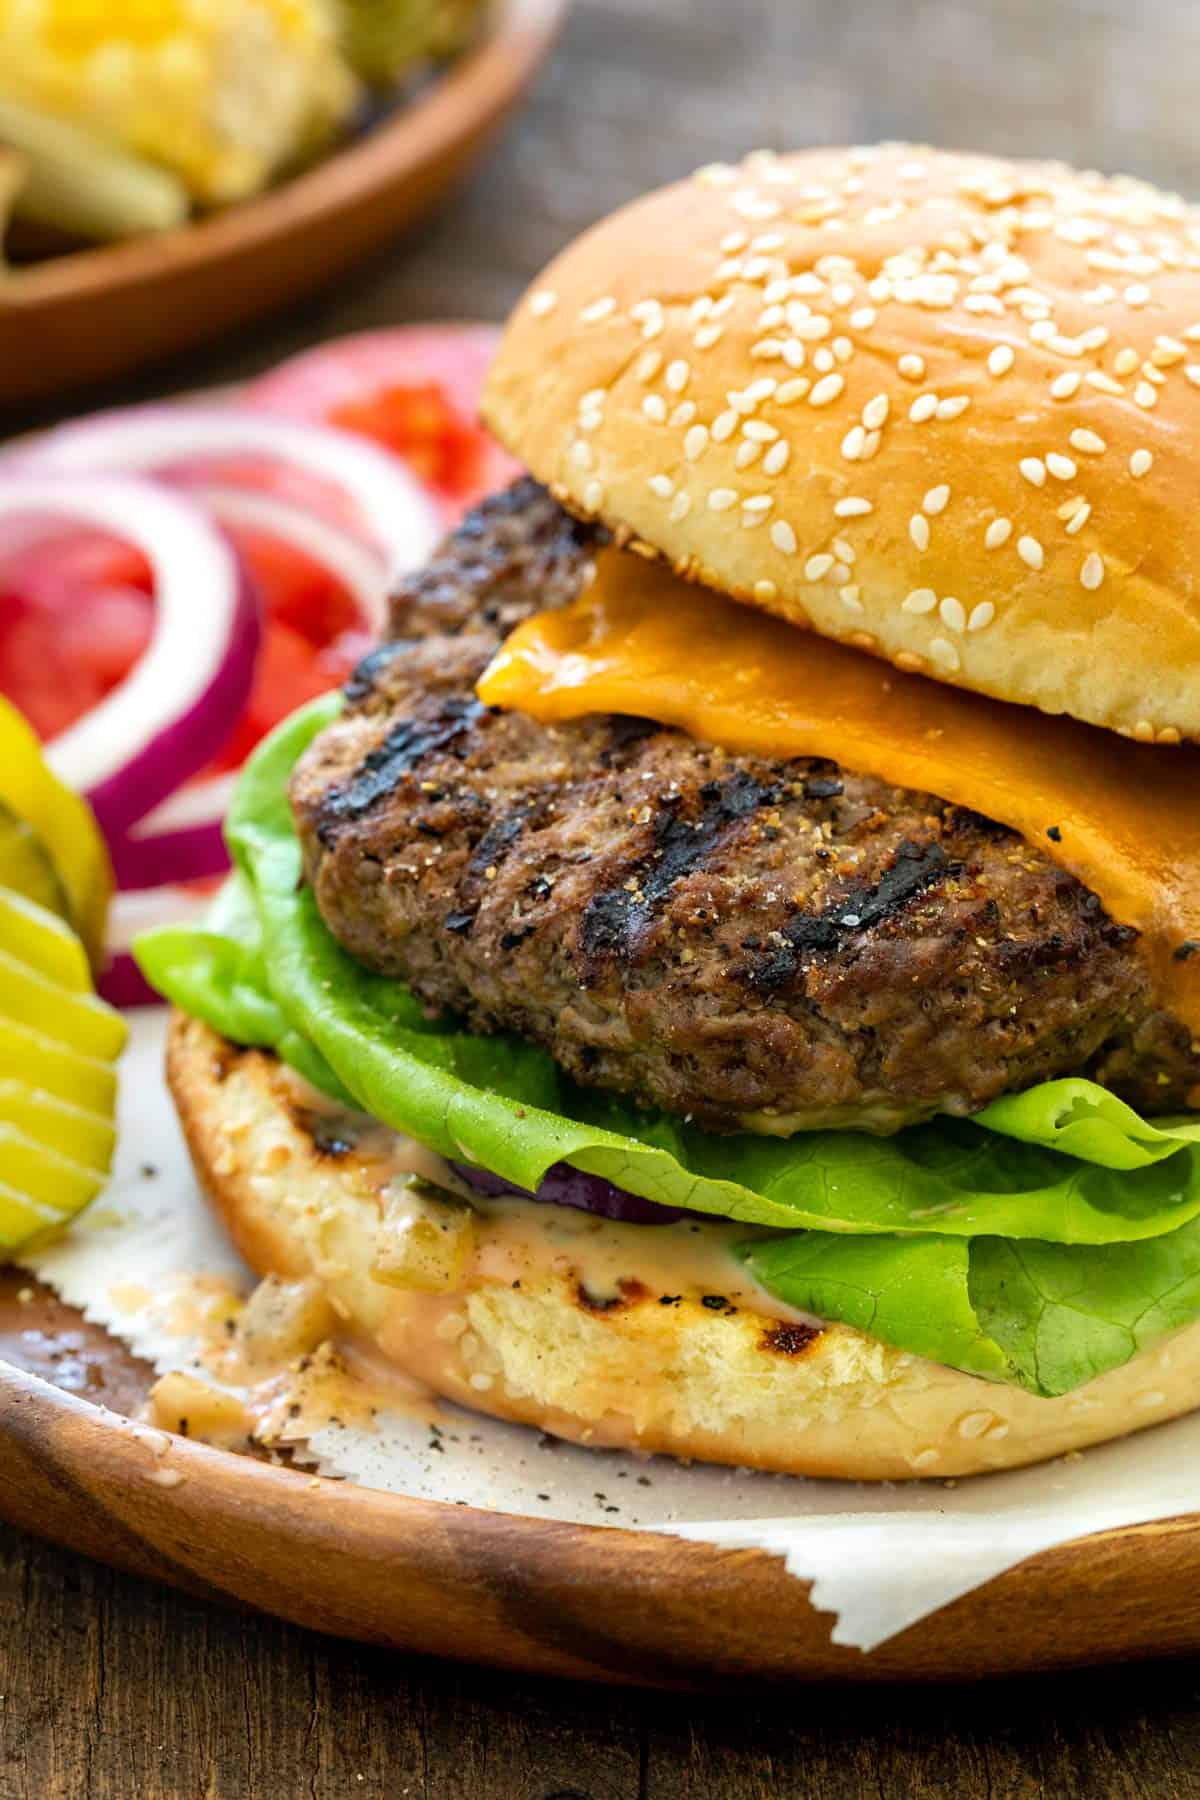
(719, 980)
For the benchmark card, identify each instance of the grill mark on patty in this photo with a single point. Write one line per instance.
(915, 869)
(375, 663)
(405, 745)
(615, 920)
(482, 866)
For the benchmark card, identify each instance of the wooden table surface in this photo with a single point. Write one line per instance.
(109, 1688)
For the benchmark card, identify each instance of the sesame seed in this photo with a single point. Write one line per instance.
(766, 350)
(911, 366)
(852, 507)
(648, 365)
(843, 349)
(863, 318)
(1060, 466)
(770, 317)
(581, 454)
(1078, 518)
(981, 616)
(936, 500)
(662, 485)
(1145, 394)
(765, 590)
(875, 412)
(783, 537)
(1125, 361)
(696, 442)
(1089, 442)
(953, 614)
(920, 600)
(760, 431)
(677, 375)
(655, 408)
(1140, 463)
(1192, 371)
(816, 566)
(789, 391)
(944, 654)
(595, 397)
(760, 390)
(721, 499)
(1137, 294)
(844, 550)
(997, 533)
(1064, 386)
(681, 506)
(683, 415)
(1034, 470)
(734, 241)
(826, 390)
(599, 309)
(953, 406)
(1092, 573)
(870, 445)
(746, 454)
(1001, 360)
(849, 595)
(543, 302)
(852, 443)
(724, 426)
(918, 531)
(758, 503)
(707, 336)
(776, 459)
(593, 496)
(1098, 379)
(1031, 552)
(922, 408)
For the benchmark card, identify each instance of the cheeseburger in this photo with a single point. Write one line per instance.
(724, 978)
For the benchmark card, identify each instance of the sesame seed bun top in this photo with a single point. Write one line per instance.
(943, 407)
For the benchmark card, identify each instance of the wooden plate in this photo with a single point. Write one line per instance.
(95, 313)
(554, 1599)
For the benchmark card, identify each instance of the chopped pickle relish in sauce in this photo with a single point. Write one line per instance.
(1122, 817)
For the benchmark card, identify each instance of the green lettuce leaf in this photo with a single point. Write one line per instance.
(1083, 1119)
(1047, 1317)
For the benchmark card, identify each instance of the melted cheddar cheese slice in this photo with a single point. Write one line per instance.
(1121, 817)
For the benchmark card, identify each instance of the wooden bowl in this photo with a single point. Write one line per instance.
(95, 313)
(595, 1603)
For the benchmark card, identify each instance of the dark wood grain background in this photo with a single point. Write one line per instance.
(110, 1689)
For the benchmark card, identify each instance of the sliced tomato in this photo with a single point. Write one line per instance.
(76, 612)
(414, 389)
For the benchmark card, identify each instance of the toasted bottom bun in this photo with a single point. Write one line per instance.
(736, 1386)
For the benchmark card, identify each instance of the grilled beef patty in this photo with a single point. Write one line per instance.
(779, 945)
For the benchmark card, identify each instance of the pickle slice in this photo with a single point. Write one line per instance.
(74, 1131)
(34, 936)
(31, 1056)
(44, 1176)
(62, 824)
(25, 867)
(22, 1218)
(78, 1020)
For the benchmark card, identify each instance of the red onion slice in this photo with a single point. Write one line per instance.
(563, 1185)
(393, 508)
(180, 701)
(122, 982)
(358, 566)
